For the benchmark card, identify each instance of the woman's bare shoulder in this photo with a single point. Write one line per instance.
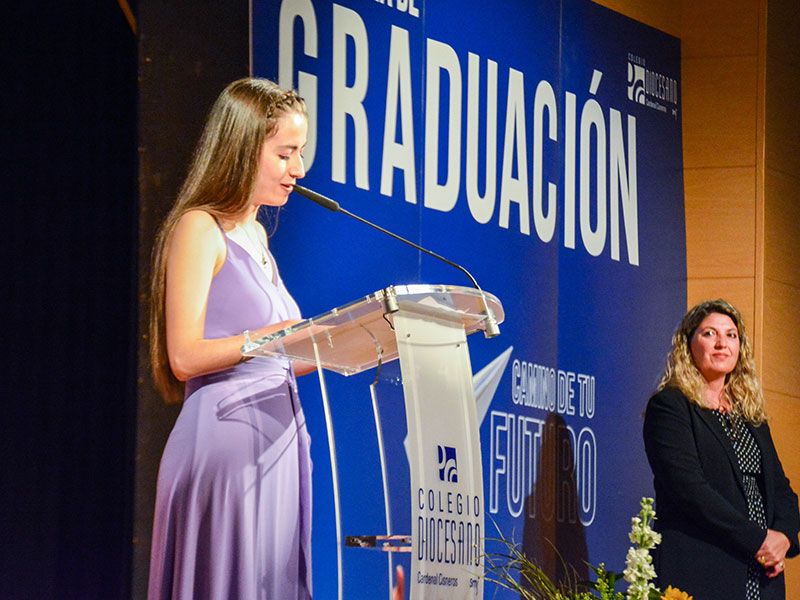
(197, 232)
(197, 220)
(197, 225)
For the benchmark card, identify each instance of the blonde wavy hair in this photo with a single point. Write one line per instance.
(741, 385)
(220, 182)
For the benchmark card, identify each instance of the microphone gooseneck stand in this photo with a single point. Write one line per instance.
(491, 328)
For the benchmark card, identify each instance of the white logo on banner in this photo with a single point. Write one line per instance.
(650, 88)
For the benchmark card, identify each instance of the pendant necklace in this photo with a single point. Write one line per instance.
(256, 248)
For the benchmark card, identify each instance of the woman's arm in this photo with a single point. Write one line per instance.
(196, 253)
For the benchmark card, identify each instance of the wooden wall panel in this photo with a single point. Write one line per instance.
(782, 216)
(781, 338)
(792, 573)
(665, 15)
(784, 431)
(720, 222)
(782, 131)
(719, 111)
(719, 28)
(738, 291)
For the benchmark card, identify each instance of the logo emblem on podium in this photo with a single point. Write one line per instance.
(448, 466)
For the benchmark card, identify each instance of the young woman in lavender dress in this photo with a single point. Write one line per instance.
(233, 502)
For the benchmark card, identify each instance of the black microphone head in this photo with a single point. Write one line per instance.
(318, 198)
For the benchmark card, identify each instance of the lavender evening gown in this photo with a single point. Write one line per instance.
(233, 504)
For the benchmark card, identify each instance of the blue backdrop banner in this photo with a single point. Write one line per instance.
(538, 143)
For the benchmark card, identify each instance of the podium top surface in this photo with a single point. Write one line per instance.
(359, 335)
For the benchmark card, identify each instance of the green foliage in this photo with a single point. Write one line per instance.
(515, 571)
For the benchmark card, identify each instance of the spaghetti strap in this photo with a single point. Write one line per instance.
(216, 220)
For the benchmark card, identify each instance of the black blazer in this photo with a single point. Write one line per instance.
(701, 509)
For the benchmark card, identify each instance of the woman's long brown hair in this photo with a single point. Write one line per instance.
(220, 182)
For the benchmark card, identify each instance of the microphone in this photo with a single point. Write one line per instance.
(323, 201)
(490, 323)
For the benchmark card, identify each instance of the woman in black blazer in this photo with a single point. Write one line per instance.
(726, 512)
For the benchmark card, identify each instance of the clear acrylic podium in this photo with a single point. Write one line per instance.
(425, 326)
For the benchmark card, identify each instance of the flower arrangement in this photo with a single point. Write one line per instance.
(534, 584)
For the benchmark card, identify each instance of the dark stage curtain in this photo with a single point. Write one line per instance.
(68, 417)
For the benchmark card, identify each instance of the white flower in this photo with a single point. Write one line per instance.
(639, 565)
(645, 537)
(641, 533)
(639, 591)
(639, 568)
